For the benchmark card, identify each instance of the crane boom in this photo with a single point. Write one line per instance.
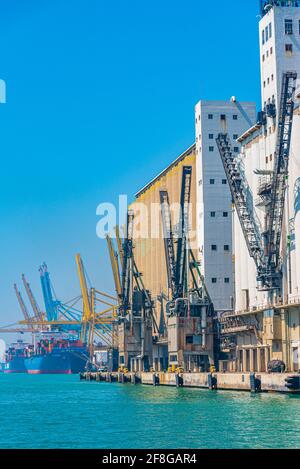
(168, 241)
(281, 164)
(87, 309)
(265, 254)
(238, 194)
(127, 270)
(34, 305)
(115, 266)
(23, 306)
(183, 229)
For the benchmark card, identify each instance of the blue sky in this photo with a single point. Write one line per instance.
(100, 98)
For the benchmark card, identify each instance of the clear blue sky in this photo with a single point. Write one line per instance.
(100, 97)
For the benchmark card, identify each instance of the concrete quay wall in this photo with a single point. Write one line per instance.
(252, 382)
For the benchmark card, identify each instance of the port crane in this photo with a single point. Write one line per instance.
(23, 307)
(51, 304)
(37, 312)
(179, 268)
(264, 245)
(93, 323)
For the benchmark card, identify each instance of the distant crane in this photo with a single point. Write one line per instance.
(37, 312)
(23, 307)
(51, 304)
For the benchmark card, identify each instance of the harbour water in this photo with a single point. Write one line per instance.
(60, 411)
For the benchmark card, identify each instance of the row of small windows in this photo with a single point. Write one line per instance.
(267, 54)
(235, 149)
(215, 280)
(214, 247)
(269, 158)
(223, 117)
(267, 33)
(213, 214)
(212, 182)
(268, 81)
(211, 136)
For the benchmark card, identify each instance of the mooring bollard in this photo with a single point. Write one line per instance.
(179, 381)
(155, 379)
(212, 382)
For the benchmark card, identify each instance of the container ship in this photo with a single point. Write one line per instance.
(14, 358)
(52, 353)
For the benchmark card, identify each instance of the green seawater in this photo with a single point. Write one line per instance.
(48, 411)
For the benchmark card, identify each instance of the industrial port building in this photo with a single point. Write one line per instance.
(245, 254)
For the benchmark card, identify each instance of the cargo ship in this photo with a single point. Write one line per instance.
(52, 353)
(15, 358)
(55, 353)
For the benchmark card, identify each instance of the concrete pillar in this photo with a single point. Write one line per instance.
(251, 352)
(267, 357)
(244, 360)
(258, 360)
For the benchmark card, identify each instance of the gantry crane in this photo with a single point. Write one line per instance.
(51, 304)
(264, 245)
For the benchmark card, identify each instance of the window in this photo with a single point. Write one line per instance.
(263, 58)
(211, 136)
(267, 33)
(223, 117)
(226, 247)
(263, 37)
(236, 149)
(299, 26)
(267, 159)
(271, 157)
(235, 117)
(188, 339)
(214, 247)
(225, 214)
(224, 181)
(289, 48)
(271, 50)
(211, 181)
(212, 214)
(235, 136)
(288, 26)
(211, 148)
(214, 280)
(226, 280)
(210, 116)
(270, 30)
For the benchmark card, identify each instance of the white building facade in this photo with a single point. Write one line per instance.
(214, 203)
(279, 34)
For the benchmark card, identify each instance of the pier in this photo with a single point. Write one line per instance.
(251, 382)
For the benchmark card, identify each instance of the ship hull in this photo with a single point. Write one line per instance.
(16, 365)
(57, 362)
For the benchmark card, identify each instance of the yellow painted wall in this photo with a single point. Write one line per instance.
(149, 252)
